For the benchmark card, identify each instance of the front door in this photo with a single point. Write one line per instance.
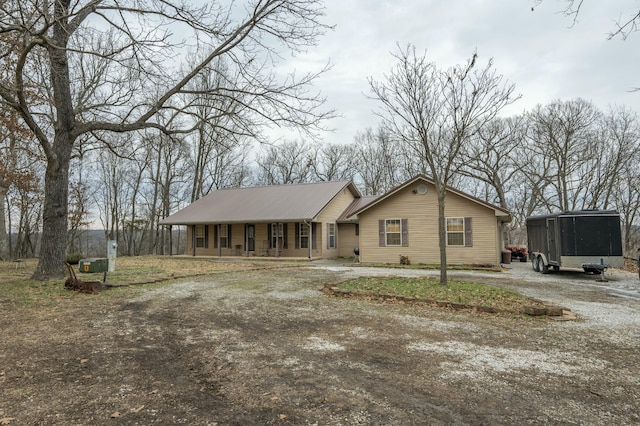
(251, 237)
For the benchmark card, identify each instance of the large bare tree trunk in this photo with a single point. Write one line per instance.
(442, 234)
(3, 224)
(54, 215)
(56, 185)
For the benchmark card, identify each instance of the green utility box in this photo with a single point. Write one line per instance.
(93, 265)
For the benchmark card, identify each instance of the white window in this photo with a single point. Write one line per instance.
(224, 236)
(393, 232)
(331, 233)
(277, 234)
(200, 236)
(304, 235)
(455, 231)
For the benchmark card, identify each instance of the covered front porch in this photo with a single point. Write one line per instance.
(292, 240)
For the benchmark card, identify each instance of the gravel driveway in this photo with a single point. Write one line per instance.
(266, 347)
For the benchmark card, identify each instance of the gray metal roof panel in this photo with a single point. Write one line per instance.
(261, 204)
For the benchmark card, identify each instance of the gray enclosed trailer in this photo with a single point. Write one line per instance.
(587, 239)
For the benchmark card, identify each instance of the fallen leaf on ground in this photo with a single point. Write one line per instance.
(84, 360)
(5, 421)
(115, 415)
(138, 409)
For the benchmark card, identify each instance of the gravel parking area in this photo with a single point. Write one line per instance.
(266, 347)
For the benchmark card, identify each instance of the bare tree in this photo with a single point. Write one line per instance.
(436, 111)
(562, 133)
(109, 67)
(623, 26)
(618, 142)
(284, 164)
(626, 198)
(170, 172)
(491, 158)
(221, 140)
(378, 161)
(331, 162)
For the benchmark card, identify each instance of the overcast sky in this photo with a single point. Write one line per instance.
(537, 50)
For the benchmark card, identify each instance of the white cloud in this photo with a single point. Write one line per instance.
(537, 50)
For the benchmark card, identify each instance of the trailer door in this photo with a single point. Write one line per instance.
(551, 238)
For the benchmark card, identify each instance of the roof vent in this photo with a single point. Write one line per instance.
(421, 189)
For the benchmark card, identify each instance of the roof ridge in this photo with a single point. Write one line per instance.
(285, 185)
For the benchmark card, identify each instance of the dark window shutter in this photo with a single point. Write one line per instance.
(215, 235)
(357, 229)
(269, 234)
(229, 236)
(297, 235)
(314, 244)
(246, 237)
(405, 232)
(206, 236)
(468, 232)
(285, 234)
(381, 236)
(193, 239)
(327, 225)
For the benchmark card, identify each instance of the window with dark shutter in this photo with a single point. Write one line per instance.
(285, 235)
(314, 244)
(468, 232)
(405, 232)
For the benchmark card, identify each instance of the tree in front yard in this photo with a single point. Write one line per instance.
(95, 67)
(436, 111)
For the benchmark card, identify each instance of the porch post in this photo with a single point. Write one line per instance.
(278, 239)
(193, 239)
(170, 240)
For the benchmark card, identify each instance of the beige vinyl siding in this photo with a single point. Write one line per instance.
(421, 211)
(348, 239)
(330, 214)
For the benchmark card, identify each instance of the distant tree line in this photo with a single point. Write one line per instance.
(566, 155)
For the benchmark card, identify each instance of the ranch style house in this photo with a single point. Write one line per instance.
(331, 219)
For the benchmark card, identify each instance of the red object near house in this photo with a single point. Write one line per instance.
(518, 252)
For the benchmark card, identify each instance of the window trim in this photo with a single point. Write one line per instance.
(387, 233)
(332, 236)
(277, 234)
(224, 236)
(200, 240)
(302, 229)
(462, 232)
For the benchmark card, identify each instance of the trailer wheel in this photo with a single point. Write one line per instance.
(535, 263)
(543, 268)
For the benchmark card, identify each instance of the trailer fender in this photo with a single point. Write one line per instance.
(539, 262)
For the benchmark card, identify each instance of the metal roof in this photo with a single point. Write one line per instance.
(278, 203)
(356, 205)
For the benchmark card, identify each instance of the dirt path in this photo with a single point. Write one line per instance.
(268, 348)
